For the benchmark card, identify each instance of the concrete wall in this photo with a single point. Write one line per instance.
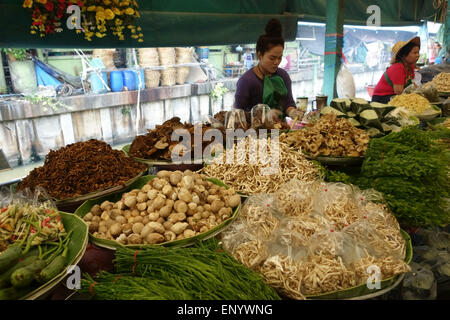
(27, 132)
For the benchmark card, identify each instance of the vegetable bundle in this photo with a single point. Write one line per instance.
(376, 118)
(203, 272)
(410, 168)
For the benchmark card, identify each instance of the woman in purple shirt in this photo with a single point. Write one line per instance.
(266, 83)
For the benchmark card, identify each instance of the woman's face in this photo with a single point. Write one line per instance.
(413, 56)
(271, 59)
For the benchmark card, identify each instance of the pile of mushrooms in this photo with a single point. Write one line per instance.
(172, 206)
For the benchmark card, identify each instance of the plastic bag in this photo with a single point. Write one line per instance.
(260, 118)
(428, 91)
(337, 202)
(21, 212)
(236, 119)
(315, 238)
(296, 198)
(345, 84)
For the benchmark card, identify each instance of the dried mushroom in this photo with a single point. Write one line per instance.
(175, 208)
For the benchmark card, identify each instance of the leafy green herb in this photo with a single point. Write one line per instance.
(201, 272)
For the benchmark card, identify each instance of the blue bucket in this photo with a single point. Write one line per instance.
(116, 79)
(203, 53)
(142, 78)
(129, 80)
(97, 85)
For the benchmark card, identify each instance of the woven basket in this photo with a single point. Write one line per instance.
(107, 57)
(182, 74)
(183, 55)
(168, 77)
(149, 62)
(166, 56)
(152, 78)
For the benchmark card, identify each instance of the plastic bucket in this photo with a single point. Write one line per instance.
(97, 85)
(129, 80)
(137, 78)
(203, 53)
(116, 79)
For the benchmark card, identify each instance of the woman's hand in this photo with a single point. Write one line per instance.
(296, 113)
(274, 115)
(398, 88)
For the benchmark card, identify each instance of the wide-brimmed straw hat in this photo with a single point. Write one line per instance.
(399, 45)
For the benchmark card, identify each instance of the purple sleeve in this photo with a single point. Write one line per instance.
(242, 95)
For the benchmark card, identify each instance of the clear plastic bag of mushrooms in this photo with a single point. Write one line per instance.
(313, 238)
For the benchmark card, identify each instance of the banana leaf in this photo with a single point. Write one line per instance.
(361, 291)
(111, 244)
(77, 246)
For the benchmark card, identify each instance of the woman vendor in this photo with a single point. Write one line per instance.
(401, 72)
(266, 83)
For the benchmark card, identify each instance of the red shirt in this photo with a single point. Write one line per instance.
(398, 75)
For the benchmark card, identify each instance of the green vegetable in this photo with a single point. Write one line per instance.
(55, 267)
(5, 278)
(354, 122)
(202, 272)
(381, 109)
(9, 257)
(328, 110)
(12, 293)
(369, 118)
(23, 277)
(386, 128)
(340, 104)
(373, 132)
(359, 105)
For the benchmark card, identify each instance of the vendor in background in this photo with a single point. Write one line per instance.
(248, 59)
(401, 72)
(266, 83)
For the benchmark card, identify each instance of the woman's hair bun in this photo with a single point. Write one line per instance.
(273, 28)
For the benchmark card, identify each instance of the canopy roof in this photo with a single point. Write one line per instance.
(208, 22)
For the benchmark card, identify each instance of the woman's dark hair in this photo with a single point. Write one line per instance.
(406, 50)
(273, 37)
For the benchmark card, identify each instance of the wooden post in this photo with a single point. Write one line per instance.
(446, 44)
(334, 38)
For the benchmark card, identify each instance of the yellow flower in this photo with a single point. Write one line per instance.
(129, 11)
(109, 14)
(91, 8)
(33, 32)
(100, 35)
(100, 9)
(117, 11)
(139, 29)
(107, 2)
(118, 22)
(100, 15)
(140, 40)
(28, 3)
(42, 1)
(124, 3)
(140, 35)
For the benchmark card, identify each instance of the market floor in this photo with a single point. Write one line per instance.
(20, 172)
